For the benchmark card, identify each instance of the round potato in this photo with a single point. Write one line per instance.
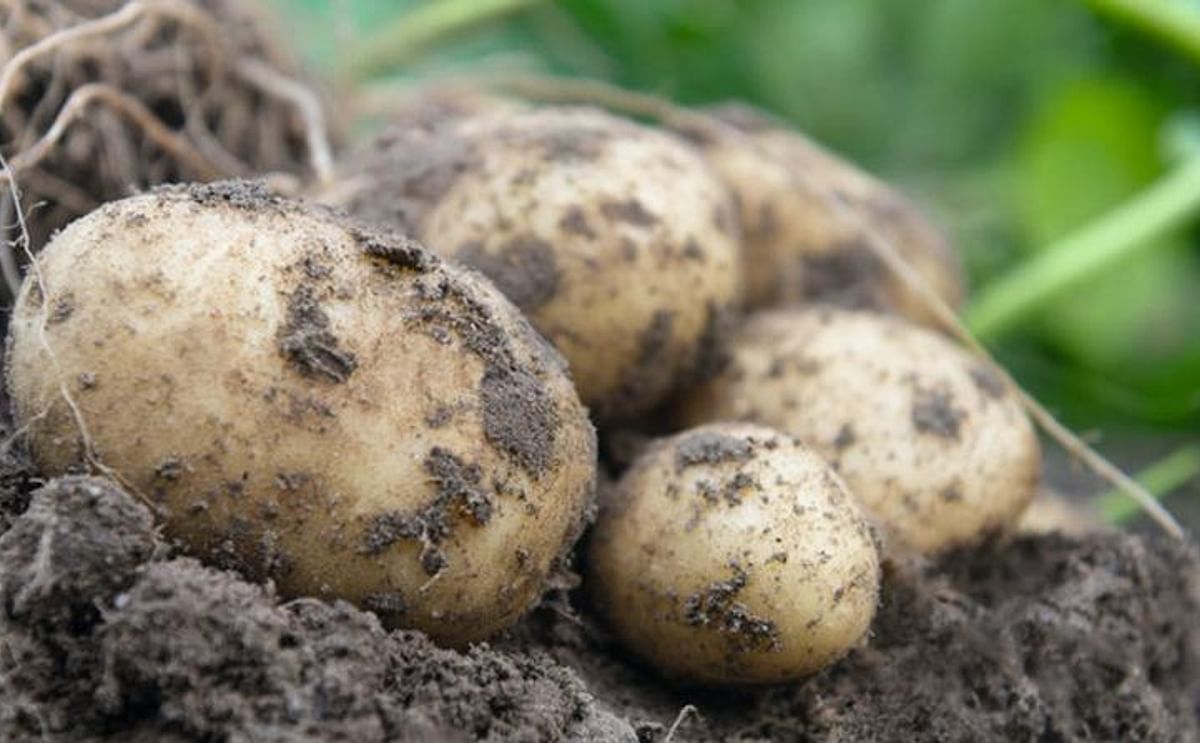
(797, 248)
(305, 401)
(931, 440)
(615, 239)
(732, 554)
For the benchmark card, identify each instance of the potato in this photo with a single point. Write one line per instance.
(931, 440)
(732, 554)
(616, 240)
(797, 248)
(306, 401)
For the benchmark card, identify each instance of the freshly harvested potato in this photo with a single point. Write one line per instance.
(931, 440)
(615, 239)
(300, 399)
(797, 248)
(732, 554)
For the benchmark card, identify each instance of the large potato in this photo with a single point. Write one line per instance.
(732, 554)
(336, 410)
(931, 440)
(616, 240)
(798, 249)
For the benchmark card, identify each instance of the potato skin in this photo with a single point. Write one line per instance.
(305, 401)
(931, 440)
(798, 249)
(732, 554)
(615, 239)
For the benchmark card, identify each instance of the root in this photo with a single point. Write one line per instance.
(670, 114)
(270, 81)
(128, 107)
(129, 13)
(85, 438)
(8, 259)
(114, 22)
(43, 570)
(182, 91)
(687, 711)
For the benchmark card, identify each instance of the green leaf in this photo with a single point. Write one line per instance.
(1095, 144)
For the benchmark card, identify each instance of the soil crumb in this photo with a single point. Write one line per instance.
(524, 269)
(711, 447)
(307, 342)
(934, 413)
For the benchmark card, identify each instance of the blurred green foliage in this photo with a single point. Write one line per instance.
(1015, 121)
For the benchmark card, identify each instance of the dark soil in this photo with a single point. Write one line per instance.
(104, 635)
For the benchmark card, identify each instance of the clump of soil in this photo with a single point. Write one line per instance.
(106, 636)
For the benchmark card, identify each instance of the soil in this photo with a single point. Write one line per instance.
(106, 635)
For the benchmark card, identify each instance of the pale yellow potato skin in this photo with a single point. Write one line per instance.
(616, 240)
(732, 554)
(932, 441)
(800, 249)
(304, 450)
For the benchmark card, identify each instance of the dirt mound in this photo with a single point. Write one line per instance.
(104, 639)
(1048, 639)
(103, 636)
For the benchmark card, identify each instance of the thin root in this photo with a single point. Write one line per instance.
(270, 81)
(39, 279)
(130, 108)
(687, 711)
(115, 21)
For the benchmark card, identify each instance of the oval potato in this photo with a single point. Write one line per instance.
(732, 554)
(931, 440)
(615, 239)
(337, 410)
(800, 249)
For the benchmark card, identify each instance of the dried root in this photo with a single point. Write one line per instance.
(100, 99)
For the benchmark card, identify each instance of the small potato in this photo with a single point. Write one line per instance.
(800, 250)
(615, 239)
(731, 554)
(930, 440)
(333, 409)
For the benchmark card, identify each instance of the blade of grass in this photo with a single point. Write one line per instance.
(1071, 261)
(1174, 23)
(417, 29)
(1161, 478)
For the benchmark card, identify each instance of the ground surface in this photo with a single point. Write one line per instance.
(105, 635)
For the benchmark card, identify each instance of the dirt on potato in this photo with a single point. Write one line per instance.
(106, 636)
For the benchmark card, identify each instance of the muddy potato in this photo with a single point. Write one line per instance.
(798, 249)
(339, 411)
(615, 239)
(931, 441)
(732, 554)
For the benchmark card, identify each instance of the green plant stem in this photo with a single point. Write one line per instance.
(418, 28)
(1171, 22)
(1160, 478)
(1071, 261)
